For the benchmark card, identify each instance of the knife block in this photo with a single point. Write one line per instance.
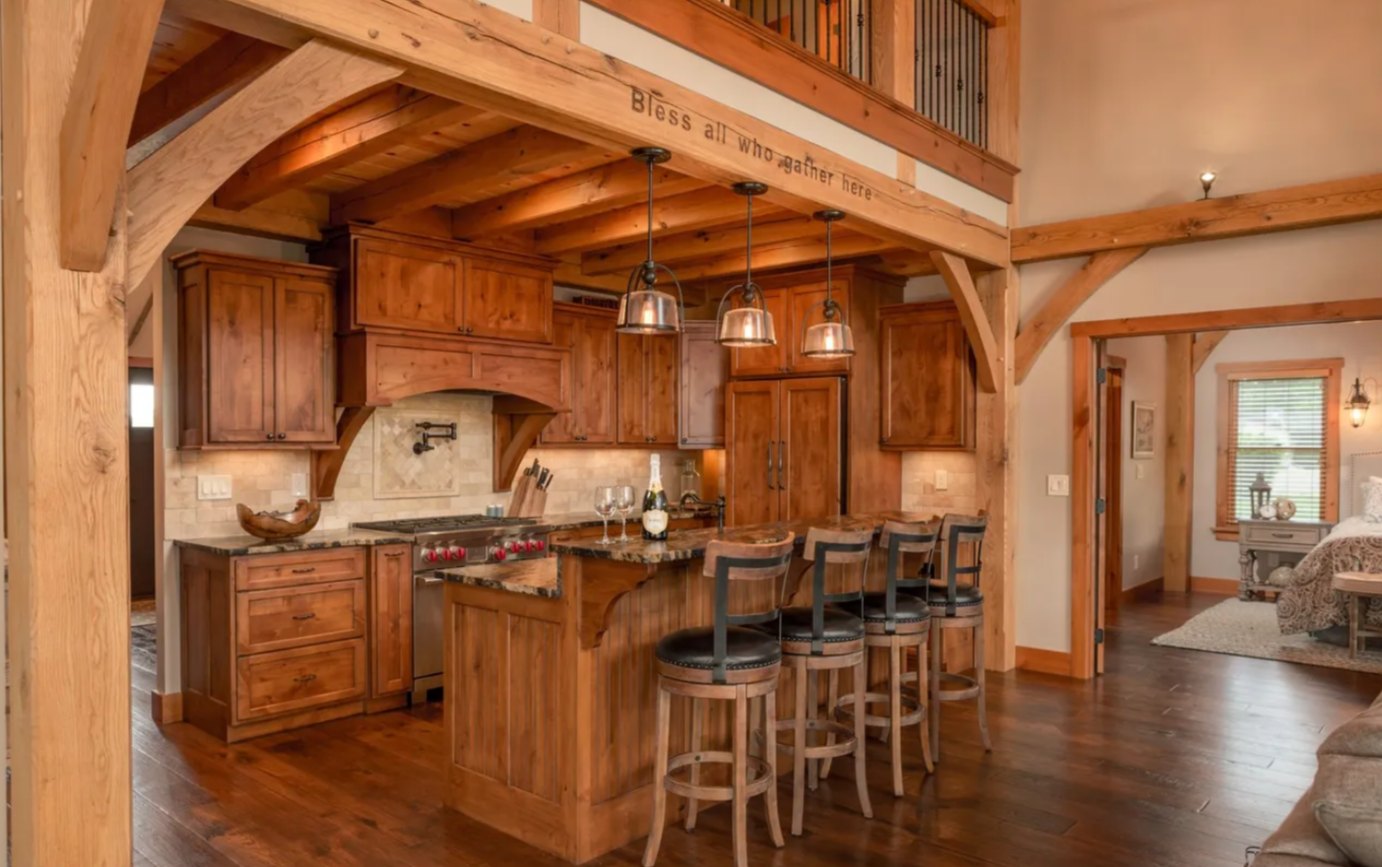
(527, 501)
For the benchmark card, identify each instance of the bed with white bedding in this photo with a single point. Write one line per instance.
(1309, 603)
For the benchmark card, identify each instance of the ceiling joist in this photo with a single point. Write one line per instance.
(701, 245)
(688, 212)
(1303, 207)
(799, 253)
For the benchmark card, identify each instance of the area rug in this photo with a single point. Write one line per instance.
(1249, 629)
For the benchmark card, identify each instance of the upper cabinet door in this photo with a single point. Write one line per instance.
(767, 360)
(704, 369)
(565, 428)
(240, 357)
(304, 402)
(809, 481)
(595, 372)
(507, 301)
(632, 427)
(662, 395)
(927, 378)
(805, 314)
(751, 427)
(406, 286)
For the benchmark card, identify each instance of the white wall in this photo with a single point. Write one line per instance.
(1359, 344)
(1124, 103)
(1143, 490)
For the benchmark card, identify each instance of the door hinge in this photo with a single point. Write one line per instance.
(1100, 506)
(1103, 375)
(1098, 636)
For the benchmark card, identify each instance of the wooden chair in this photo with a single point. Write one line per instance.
(957, 606)
(824, 637)
(896, 620)
(727, 662)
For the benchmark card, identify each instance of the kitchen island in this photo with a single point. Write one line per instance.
(551, 684)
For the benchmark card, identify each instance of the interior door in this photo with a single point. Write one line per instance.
(1101, 502)
(751, 430)
(809, 477)
(141, 460)
(240, 357)
(304, 394)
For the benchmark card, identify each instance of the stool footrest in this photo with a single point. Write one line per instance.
(757, 769)
(842, 747)
(913, 711)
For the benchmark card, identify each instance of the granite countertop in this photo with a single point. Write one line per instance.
(529, 577)
(577, 520)
(236, 546)
(691, 544)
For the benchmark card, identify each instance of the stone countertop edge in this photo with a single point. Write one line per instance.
(238, 546)
(527, 577)
(577, 520)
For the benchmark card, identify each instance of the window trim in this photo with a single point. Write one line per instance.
(1225, 525)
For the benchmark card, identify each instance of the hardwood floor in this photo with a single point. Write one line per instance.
(1173, 759)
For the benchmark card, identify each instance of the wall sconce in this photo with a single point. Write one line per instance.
(1359, 402)
(447, 432)
(1207, 181)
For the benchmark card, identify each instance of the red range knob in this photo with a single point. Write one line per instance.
(540, 545)
(445, 553)
(514, 547)
(500, 554)
(530, 546)
(457, 552)
(430, 554)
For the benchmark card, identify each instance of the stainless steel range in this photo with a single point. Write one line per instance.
(440, 543)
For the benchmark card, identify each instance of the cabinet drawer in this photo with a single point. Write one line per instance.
(269, 571)
(296, 616)
(1285, 535)
(268, 684)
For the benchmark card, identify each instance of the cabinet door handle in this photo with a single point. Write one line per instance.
(394, 553)
(308, 616)
(781, 450)
(306, 678)
(304, 571)
(770, 466)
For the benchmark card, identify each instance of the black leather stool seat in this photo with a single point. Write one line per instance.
(964, 595)
(695, 648)
(910, 609)
(839, 625)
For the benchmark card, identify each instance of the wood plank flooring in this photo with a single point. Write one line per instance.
(1174, 759)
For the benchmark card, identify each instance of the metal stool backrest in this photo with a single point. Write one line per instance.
(957, 530)
(900, 538)
(743, 561)
(838, 547)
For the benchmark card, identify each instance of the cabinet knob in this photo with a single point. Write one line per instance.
(282, 435)
(268, 436)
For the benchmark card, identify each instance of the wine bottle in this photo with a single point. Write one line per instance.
(655, 505)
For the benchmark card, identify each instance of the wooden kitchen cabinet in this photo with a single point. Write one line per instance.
(927, 378)
(391, 620)
(791, 309)
(648, 370)
(785, 449)
(409, 284)
(589, 333)
(704, 370)
(255, 352)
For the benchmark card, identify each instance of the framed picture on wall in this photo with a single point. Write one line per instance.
(1143, 429)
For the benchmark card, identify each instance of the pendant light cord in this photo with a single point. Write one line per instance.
(748, 256)
(650, 209)
(829, 269)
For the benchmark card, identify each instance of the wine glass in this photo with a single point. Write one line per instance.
(623, 501)
(604, 507)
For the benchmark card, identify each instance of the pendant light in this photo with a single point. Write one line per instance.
(644, 309)
(831, 338)
(750, 325)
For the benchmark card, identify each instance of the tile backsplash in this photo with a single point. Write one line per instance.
(919, 492)
(382, 479)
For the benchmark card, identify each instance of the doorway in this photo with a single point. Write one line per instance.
(1113, 483)
(141, 467)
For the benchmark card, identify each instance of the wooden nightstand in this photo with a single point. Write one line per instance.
(1265, 545)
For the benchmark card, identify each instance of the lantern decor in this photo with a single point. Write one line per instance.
(831, 338)
(1261, 498)
(750, 325)
(1358, 404)
(644, 309)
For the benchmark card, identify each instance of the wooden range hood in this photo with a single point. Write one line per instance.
(531, 385)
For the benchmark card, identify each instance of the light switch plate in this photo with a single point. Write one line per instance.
(942, 480)
(1057, 486)
(299, 484)
(1142, 471)
(213, 487)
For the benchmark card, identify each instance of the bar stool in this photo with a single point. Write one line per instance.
(727, 662)
(958, 606)
(896, 620)
(824, 637)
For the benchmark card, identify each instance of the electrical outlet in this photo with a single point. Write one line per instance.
(942, 480)
(1057, 486)
(1141, 471)
(213, 487)
(299, 484)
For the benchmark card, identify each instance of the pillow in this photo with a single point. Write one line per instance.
(1372, 500)
(1357, 831)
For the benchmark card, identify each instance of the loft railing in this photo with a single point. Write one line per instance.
(837, 31)
(952, 68)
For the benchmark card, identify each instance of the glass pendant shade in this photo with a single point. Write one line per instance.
(1358, 405)
(828, 340)
(648, 311)
(746, 327)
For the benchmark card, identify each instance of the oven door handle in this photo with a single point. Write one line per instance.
(428, 579)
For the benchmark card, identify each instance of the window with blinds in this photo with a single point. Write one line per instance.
(1280, 420)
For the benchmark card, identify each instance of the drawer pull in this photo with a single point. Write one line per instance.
(306, 678)
(305, 570)
(308, 616)
(1283, 535)
(395, 553)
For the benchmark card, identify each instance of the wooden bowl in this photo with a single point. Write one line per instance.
(277, 526)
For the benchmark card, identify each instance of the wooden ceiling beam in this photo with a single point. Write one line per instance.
(227, 64)
(688, 212)
(1303, 207)
(786, 254)
(975, 319)
(700, 245)
(297, 215)
(570, 198)
(496, 163)
(1205, 344)
(1043, 325)
(356, 132)
(96, 124)
(166, 189)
